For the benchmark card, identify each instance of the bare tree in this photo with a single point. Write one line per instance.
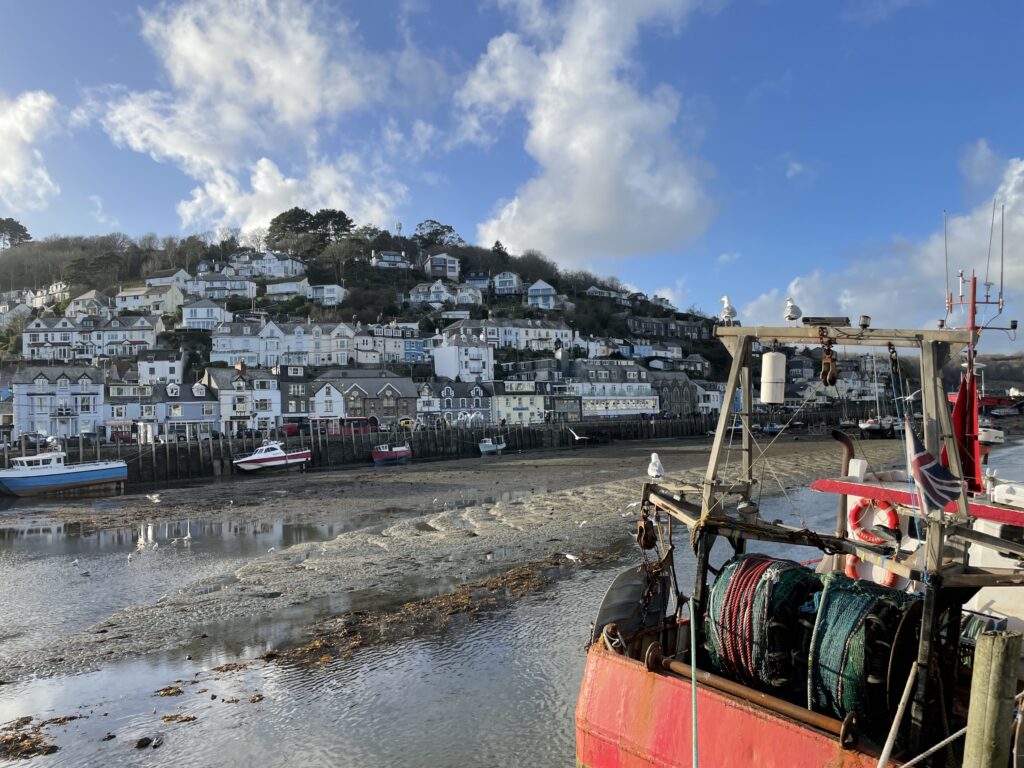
(255, 238)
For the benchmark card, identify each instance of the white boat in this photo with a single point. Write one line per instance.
(46, 473)
(271, 455)
(491, 446)
(773, 428)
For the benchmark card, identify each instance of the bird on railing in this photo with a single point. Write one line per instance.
(655, 470)
(793, 312)
(728, 313)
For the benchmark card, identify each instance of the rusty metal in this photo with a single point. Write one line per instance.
(655, 659)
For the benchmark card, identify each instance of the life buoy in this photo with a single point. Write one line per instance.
(851, 571)
(856, 516)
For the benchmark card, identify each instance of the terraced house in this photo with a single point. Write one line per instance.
(274, 343)
(58, 401)
(65, 339)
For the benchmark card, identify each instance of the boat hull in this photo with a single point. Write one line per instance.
(68, 480)
(273, 462)
(628, 717)
(390, 458)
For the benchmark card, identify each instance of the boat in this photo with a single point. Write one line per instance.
(989, 434)
(491, 446)
(864, 660)
(391, 454)
(271, 455)
(773, 428)
(46, 474)
(872, 428)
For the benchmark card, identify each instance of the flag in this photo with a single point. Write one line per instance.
(936, 485)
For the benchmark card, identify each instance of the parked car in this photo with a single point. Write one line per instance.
(89, 437)
(247, 432)
(32, 439)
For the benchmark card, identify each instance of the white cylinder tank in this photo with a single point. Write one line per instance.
(773, 378)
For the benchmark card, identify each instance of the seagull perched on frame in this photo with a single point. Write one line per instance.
(728, 311)
(655, 470)
(792, 313)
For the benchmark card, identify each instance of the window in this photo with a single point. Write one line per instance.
(119, 411)
(147, 411)
(207, 409)
(294, 371)
(176, 411)
(291, 406)
(85, 404)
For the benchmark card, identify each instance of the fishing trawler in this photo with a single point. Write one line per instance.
(387, 454)
(768, 662)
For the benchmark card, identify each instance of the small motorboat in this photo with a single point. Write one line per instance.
(989, 434)
(491, 446)
(271, 455)
(386, 454)
(46, 473)
(773, 428)
(875, 428)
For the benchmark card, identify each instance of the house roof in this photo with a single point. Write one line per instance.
(165, 273)
(293, 279)
(203, 304)
(51, 374)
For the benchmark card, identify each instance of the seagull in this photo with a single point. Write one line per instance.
(572, 558)
(792, 313)
(75, 561)
(231, 502)
(271, 550)
(155, 545)
(654, 469)
(634, 504)
(188, 532)
(728, 311)
(129, 557)
(154, 497)
(578, 437)
(581, 523)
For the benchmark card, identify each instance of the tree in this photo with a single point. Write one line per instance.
(498, 249)
(12, 233)
(431, 234)
(255, 238)
(330, 225)
(285, 226)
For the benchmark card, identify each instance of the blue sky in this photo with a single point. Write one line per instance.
(762, 149)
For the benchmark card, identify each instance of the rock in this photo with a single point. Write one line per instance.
(144, 742)
(109, 736)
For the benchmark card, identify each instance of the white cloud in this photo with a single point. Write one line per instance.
(981, 167)
(904, 285)
(677, 293)
(730, 257)
(100, 215)
(874, 11)
(254, 89)
(612, 180)
(25, 184)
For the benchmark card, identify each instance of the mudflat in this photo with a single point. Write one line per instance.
(410, 532)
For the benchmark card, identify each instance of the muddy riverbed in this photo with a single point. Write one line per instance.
(316, 545)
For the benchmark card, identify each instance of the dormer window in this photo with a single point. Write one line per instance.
(63, 381)
(198, 390)
(172, 390)
(41, 381)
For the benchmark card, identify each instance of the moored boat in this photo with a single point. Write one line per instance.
(767, 662)
(271, 455)
(391, 454)
(492, 446)
(46, 474)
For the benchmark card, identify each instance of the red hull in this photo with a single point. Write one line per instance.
(627, 717)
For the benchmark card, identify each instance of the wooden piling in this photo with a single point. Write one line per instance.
(993, 686)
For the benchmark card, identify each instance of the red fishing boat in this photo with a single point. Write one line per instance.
(867, 658)
(386, 454)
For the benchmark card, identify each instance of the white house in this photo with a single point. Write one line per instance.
(57, 401)
(517, 334)
(204, 315)
(160, 366)
(443, 266)
(273, 343)
(283, 288)
(163, 299)
(247, 398)
(389, 260)
(432, 293)
(542, 296)
(464, 358)
(15, 313)
(270, 264)
(220, 285)
(516, 402)
(94, 303)
(178, 277)
(469, 294)
(508, 284)
(327, 401)
(54, 293)
(326, 295)
(132, 299)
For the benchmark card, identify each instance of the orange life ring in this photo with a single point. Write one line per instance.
(856, 515)
(851, 571)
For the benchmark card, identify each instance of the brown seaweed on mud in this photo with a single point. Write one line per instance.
(23, 739)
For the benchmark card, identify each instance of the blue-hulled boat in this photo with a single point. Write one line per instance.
(46, 473)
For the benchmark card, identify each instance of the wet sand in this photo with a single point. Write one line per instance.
(415, 532)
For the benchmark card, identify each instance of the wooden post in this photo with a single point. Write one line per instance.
(993, 686)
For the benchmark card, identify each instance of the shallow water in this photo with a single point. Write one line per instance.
(497, 691)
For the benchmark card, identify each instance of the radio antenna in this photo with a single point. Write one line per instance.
(988, 261)
(945, 250)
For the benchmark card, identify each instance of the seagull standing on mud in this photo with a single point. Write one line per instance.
(655, 470)
(154, 497)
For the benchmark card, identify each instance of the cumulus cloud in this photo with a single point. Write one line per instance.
(904, 285)
(25, 184)
(730, 257)
(612, 178)
(677, 293)
(253, 88)
(980, 166)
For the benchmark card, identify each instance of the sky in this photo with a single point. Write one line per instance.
(759, 149)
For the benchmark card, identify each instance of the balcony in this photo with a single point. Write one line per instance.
(63, 412)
